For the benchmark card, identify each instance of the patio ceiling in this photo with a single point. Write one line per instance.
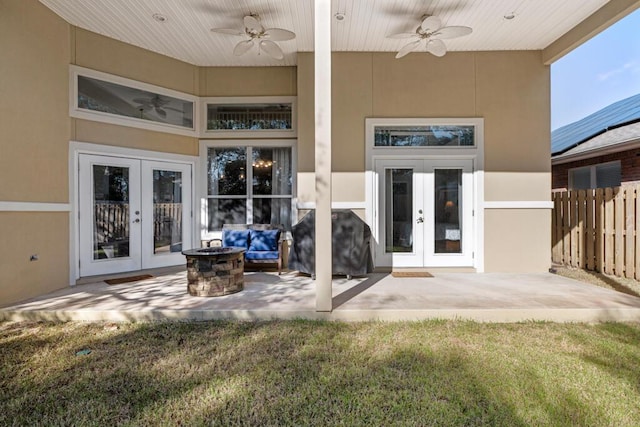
(186, 34)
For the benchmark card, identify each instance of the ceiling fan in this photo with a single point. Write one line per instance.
(264, 38)
(430, 33)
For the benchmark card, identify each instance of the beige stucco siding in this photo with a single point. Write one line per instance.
(34, 119)
(424, 85)
(129, 137)
(248, 81)
(45, 234)
(91, 50)
(517, 240)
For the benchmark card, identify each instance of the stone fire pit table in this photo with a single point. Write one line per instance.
(214, 272)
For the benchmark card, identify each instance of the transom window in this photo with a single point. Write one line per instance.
(425, 136)
(249, 116)
(249, 184)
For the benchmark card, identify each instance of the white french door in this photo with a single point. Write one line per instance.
(424, 213)
(134, 214)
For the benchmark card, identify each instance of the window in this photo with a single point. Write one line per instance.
(596, 176)
(248, 185)
(255, 117)
(425, 136)
(111, 99)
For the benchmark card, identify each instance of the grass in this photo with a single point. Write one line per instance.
(320, 373)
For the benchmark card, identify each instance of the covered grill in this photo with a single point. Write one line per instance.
(351, 238)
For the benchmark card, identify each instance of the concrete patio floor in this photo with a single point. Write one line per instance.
(483, 297)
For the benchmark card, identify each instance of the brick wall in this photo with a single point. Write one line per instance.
(629, 164)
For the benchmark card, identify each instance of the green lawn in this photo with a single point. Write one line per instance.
(320, 373)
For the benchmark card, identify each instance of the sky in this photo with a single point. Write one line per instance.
(602, 71)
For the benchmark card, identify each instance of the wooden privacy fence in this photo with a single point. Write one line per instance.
(598, 230)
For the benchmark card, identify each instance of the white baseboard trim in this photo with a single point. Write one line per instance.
(518, 204)
(34, 207)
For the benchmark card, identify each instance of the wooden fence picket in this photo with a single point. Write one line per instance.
(619, 233)
(590, 230)
(629, 240)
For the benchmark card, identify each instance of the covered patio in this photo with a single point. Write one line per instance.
(369, 128)
(484, 297)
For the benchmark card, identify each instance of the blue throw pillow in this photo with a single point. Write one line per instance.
(235, 238)
(264, 240)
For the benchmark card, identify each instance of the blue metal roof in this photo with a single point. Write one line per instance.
(571, 135)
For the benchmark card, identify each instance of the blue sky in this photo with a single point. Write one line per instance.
(602, 71)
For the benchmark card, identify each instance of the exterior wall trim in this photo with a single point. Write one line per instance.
(334, 205)
(518, 204)
(34, 207)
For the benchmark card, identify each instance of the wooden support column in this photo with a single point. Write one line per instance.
(322, 78)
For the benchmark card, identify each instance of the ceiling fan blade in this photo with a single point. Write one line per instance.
(436, 47)
(278, 34)
(451, 32)
(408, 48)
(160, 112)
(431, 24)
(252, 23)
(272, 49)
(242, 47)
(402, 36)
(230, 31)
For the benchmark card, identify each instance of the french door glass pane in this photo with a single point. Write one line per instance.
(227, 171)
(399, 208)
(111, 212)
(272, 211)
(448, 210)
(167, 211)
(272, 171)
(226, 211)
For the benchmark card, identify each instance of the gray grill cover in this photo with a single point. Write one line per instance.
(351, 238)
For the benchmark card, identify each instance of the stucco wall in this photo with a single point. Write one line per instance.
(34, 120)
(510, 90)
(34, 135)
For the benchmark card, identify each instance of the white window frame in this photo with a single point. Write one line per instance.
(593, 178)
(244, 134)
(245, 143)
(99, 116)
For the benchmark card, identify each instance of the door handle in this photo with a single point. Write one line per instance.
(137, 220)
(420, 220)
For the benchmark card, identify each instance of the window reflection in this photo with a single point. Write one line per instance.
(106, 97)
(424, 136)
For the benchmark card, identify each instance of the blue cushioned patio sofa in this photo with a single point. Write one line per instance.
(263, 242)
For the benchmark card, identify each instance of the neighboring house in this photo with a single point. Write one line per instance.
(130, 131)
(601, 150)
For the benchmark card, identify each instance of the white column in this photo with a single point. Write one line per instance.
(322, 78)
